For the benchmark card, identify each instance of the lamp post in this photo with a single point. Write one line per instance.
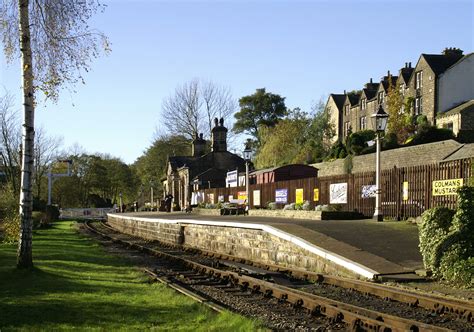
(379, 122)
(151, 195)
(120, 202)
(247, 157)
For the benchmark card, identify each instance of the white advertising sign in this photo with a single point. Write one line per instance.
(338, 193)
(256, 197)
(231, 179)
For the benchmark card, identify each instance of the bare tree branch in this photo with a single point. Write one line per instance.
(194, 105)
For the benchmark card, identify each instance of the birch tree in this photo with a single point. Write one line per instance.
(55, 44)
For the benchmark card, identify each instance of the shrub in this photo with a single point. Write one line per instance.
(272, 206)
(11, 228)
(52, 213)
(430, 134)
(447, 244)
(322, 208)
(356, 142)
(290, 206)
(433, 229)
(307, 206)
(9, 214)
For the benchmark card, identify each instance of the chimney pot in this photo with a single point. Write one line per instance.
(371, 80)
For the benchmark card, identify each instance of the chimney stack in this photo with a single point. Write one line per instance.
(198, 145)
(219, 136)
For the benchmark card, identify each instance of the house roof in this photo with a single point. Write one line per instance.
(353, 97)
(466, 151)
(369, 93)
(467, 106)
(212, 174)
(440, 62)
(338, 99)
(385, 83)
(405, 73)
(180, 161)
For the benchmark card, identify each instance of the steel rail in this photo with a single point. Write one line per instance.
(437, 304)
(354, 316)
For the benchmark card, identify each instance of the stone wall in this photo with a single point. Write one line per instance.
(253, 243)
(165, 232)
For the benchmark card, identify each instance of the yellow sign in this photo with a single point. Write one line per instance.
(316, 195)
(242, 195)
(446, 187)
(405, 190)
(299, 196)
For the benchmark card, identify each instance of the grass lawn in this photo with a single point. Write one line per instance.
(76, 285)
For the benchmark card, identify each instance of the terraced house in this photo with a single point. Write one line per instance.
(440, 87)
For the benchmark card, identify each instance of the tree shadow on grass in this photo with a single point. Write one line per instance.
(75, 284)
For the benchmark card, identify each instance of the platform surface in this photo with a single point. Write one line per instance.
(385, 247)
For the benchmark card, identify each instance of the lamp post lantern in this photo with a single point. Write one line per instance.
(247, 156)
(379, 122)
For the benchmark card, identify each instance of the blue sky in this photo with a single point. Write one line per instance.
(300, 50)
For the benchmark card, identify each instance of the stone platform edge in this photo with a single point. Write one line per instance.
(347, 264)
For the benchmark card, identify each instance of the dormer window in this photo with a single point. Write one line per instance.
(419, 80)
(363, 104)
(346, 109)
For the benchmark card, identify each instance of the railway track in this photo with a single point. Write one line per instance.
(356, 304)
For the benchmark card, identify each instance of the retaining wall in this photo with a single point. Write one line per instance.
(261, 243)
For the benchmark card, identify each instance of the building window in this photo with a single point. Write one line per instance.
(346, 110)
(347, 128)
(419, 80)
(363, 104)
(402, 89)
(418, 105)
(448, 125)
(363, 123)
(381, 97)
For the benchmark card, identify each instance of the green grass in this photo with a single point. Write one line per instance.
(76, 285)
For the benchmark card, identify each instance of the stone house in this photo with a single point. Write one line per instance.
(438, 83)
(334, 106)
(201, 169)
(423, 83)
(459, 119)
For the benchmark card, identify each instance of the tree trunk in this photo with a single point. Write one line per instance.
(24, 255)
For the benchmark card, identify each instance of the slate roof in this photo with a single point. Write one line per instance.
(385, 82)
(180, 161)
(467, 106)
(439, 62)
(406, 73)
(212, 174)
(354, 98)
(466, 151)
(338, 99)
(369, 93)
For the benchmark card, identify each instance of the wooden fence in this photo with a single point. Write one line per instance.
(406, 192)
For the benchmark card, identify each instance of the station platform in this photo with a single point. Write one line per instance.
(388, 248)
